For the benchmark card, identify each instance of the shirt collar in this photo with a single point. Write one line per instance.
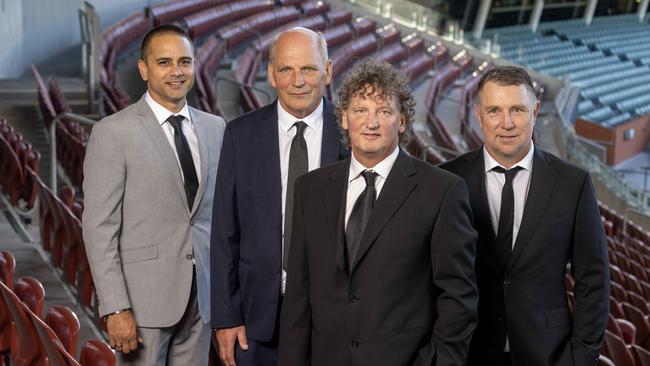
(163, 113)
(314, 120)
(526, 162)
(382, 169)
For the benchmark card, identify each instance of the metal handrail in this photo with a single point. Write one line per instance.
(53, 162)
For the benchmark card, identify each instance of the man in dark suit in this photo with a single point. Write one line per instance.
(534, 214)
(263, 153)
(386, 282)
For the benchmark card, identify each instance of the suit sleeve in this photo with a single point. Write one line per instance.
(103, 187)
(453, 252)
(225, 293)
(295, 320)
(590, 268)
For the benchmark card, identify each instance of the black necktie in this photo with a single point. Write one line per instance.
(360, 215)
(506, 216)
(185, 157)
(298, 165)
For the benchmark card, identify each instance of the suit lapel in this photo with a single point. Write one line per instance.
(331, 143)
(334, 196)
(204, 155)
(269, 148)
(542, 183)
(148, 121)
(396, 189)
(479, 202)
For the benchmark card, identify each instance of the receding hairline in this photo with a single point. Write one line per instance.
(163, 30)
(316, 37)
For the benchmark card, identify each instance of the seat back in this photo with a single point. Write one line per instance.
(25, 345)
(30, 291)
(619, 352)
(641, 356)
(65, 325)
(7, 268)
(50, 344)
(96, 353)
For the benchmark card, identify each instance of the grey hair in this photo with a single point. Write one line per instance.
(321, 40)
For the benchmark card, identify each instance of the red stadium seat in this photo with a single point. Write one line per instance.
(640, 321)
(25, 344)
(96, 353)
(7, 269)
(30, 291)
(641, 356)
(65, 325)
(49, 344)
(619, 353)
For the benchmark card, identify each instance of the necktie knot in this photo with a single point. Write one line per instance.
(176, 122)
(369, 176)
(509, 173)
(300, 128)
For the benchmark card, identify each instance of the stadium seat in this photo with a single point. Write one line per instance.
(96, 353)
(640, 321)
(7, 269)
(65, 325)
(619, 353)
(49, 344)
(30, 291)
(25, 345)
(641, 356)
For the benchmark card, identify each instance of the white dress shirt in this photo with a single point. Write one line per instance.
(494, 182)
(313, 135)
(357, 184)
(187, 126)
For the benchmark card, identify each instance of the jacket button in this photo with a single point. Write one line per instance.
(507, 282)
(189, 257)
(353, 298)
(355, 343)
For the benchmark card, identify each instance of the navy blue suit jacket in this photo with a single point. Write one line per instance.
(246, 240)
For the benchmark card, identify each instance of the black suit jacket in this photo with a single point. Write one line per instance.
(409, 298)
(246, 240)
(526, 297)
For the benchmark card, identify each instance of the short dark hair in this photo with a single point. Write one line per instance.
(158, 31)
(507, 76)
(383, 79)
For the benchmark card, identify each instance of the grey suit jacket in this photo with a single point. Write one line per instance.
(138, 230)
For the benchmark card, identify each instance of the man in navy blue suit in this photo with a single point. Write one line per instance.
(263, 153)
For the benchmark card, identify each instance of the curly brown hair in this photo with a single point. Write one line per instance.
(370, 76)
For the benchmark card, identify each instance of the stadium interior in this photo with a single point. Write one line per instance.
(69, 63)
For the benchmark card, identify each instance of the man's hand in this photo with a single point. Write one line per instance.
(226, 338)
(122, 334)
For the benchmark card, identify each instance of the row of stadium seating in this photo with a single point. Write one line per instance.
(26, 338)
(609, 61)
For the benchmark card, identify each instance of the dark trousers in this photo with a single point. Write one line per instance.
(506, 359)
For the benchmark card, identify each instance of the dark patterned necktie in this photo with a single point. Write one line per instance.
(360, 215)
(185, 158)
(506, 216)
(298, 165)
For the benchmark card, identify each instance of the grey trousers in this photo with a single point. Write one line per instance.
(186, 343)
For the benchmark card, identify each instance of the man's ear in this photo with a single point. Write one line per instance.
(144, 72)
(269, 75)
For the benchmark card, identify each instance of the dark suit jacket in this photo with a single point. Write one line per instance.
(246, 241)
(526, 297)
(408, 298)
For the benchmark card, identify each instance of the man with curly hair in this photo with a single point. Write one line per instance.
(381, 268)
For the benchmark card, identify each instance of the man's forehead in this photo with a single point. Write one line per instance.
(373, 93)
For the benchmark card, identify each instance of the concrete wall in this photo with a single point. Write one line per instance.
(31, 31)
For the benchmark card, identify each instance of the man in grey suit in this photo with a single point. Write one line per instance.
(149, 181)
